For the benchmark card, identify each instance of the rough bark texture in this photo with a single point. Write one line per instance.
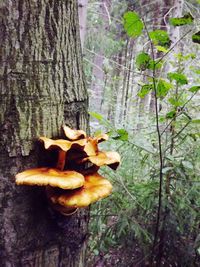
(41, 87)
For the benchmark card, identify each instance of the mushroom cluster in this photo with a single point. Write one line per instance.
(74, 182)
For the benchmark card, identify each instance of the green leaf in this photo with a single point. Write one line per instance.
(162, 119)
(145, 90)
(170, 158)
(133, 24)
(174, 102)
(96, 252)
(197, 121)
(182, 57)
(160, 38)
(154, 64)
(162, 88)
(186, 19)
(96, 115)
(178, 77)
(196, 37)
(171, 114)
(187, 164)
(161, 49)
(122, 135)
(197, 71)
(194, 89)
(142, 61)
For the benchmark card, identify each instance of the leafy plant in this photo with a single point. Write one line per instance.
(186, 19)
(154, 206)
(160, 38)
(133, 24)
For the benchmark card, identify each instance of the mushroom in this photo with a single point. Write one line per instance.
(87, 145)
(72, 134)
(95, 188)
(110, 158)
(68, 190)
(101, 137)
(52, 177)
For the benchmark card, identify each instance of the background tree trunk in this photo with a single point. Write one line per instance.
(42, 87)
(98, 83)
(82, 11)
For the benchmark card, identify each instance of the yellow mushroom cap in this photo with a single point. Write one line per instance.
(88, 145)
(95, 187)
(101, 137)
(52, 177)
(73, 134)
(110, 158)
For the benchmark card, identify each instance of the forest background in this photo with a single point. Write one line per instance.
(141, 61)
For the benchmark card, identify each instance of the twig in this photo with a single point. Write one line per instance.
(120, 65)
(175, 136)
(107, 13)
(178, 114)
(168, 13)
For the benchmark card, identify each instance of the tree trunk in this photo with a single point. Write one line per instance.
(82, 11)
(98, 83)
(42, 87)
(115, 84)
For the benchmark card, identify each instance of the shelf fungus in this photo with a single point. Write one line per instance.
(52, 177)
(95, 188)
(73, 182)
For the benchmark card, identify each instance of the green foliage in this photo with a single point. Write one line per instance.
(161, 49)
(122, 135)
(171, 114)
(197, 121)
(160, 38)
(133, 24)
(182, 57)
(157, 64)
(196, 37)
(145, 90)
(186, 19)
(180, 78)
(163, 88)
(176, 102)
(187, 164)
(128, 216)
(143, 61)
(96, 115)
(194, 89)
(195, 70)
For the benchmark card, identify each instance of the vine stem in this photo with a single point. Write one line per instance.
(160, 150)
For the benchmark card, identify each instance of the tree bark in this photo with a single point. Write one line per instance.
(115, 84)
(41, 87)
(82, 11)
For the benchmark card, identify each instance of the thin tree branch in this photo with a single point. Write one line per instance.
(160, 148)
(178, 114)
(122, 66)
